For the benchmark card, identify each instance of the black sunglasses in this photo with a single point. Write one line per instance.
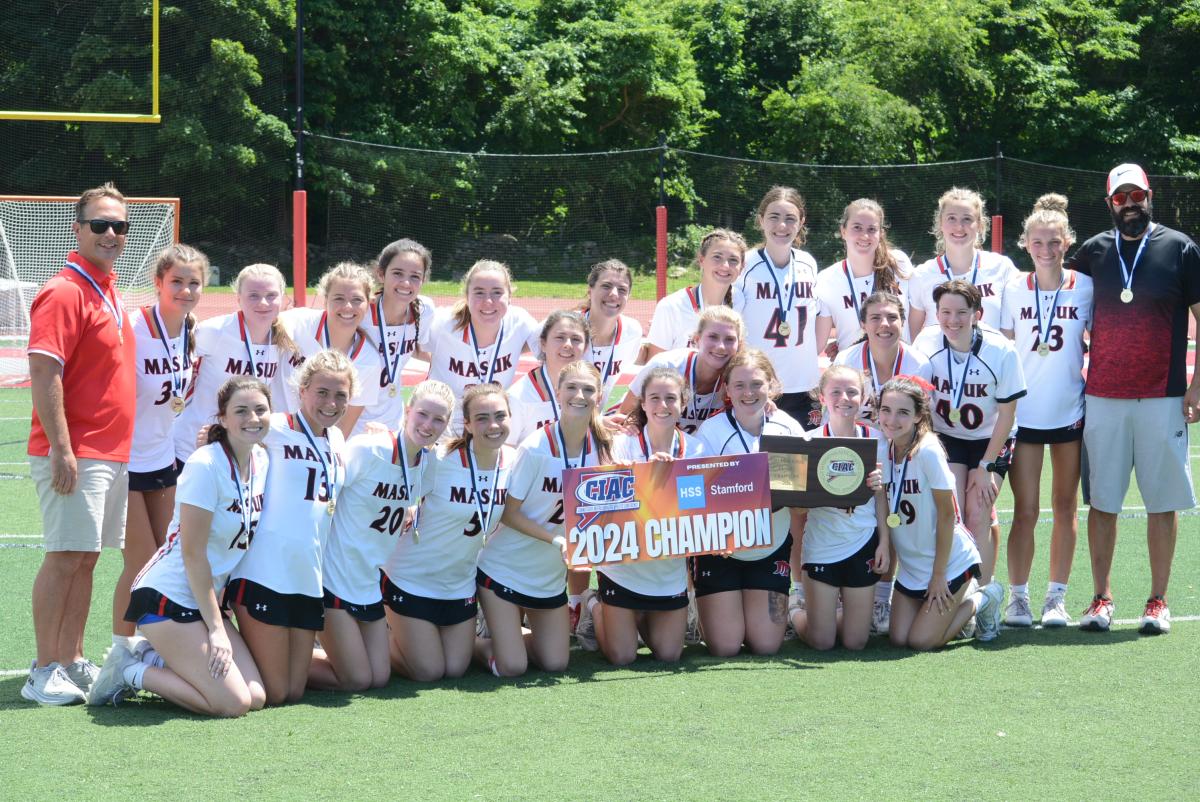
(99, 226)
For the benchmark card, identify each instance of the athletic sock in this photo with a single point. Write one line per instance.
(592, 602)
(1056, 589)
(127, 642)
(883, 590)
(133, 675)
(574, 599)
(153, 659)
(1020, 590)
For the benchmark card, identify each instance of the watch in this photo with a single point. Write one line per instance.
(990, 467)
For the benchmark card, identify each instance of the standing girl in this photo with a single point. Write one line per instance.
(844, 550)
(977, 379)
(616, 338)
(208, 668)
(400, 321)
(345, 289)
(743, 597)
(276, 590)
(960, 227)
(522, 569)
(935, 589)
(165, 335)
(1047, 312)
(564, 339)
(870, 266)
(719, 335)
(249, 342)
(646, 598)
(429, 579)
(774, 295)
(480, 340)
(721, 255)
(385, 478)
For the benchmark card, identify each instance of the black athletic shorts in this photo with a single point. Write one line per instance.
(293, 610)
(618, 596)
(855, 571)
(920, 595)
(144, 482)
(439, 612)
(520, 599)
(970, 452)
(1047, 437)
(712, 573)
(359, 612)
(149, 604)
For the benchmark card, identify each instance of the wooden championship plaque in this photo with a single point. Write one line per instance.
(819, 471)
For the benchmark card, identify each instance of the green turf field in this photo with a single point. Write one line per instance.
(1034, 715)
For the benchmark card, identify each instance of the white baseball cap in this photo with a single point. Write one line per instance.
(1124, 174)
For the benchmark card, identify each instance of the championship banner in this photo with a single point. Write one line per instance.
(819, 471)
(656, 510)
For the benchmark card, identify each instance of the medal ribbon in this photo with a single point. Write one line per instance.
(177, 378)
(944, 265)
(898, 488)
(485, 518)
(391, 367)
(330, 480)
(956, 392)
(691, 371)
(677, 447)
(117, 309)
(475, 344)
(850, 282)
(742, 433)
(785, 310)
(869, 365)
(562, 443)
(245, 503)
(550, 394)
(1126, 271)
(1044, 333)
(244, 333)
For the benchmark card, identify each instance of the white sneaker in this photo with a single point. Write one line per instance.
(692, 634)
(1018, 612)
(1098, 616)
(1156, 620)
(796, 599)
(987, 618)
(481, 627)
(1054, 612)
(585, 633)
(110, 687)
(51, 686)
(83, 673)
(881, 617)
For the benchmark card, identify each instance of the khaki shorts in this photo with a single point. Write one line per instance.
(1147, 436)
(92, 517)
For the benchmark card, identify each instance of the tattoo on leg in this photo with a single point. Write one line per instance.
(777, 607)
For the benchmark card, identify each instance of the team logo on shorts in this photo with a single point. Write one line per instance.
(840, 471)
(782, 568)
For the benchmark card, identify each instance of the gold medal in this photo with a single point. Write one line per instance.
(416, 535)
(176, 404)
(392, 390)
(331, 507)
(1126, 295)
(785, 328)
(955, 416)
(1043, 349)
(893, 520)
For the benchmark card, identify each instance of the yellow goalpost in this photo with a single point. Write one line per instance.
(100, 117)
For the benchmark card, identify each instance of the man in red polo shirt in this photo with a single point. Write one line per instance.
(81, 365)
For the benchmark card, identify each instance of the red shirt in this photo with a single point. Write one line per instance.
(70, 322)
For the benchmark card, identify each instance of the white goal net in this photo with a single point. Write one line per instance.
(35, 236)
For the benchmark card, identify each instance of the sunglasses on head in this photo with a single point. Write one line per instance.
(99, 226)
(1135, 195)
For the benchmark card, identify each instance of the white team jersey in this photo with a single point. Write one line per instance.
(209, 481)
(400, 343)
(526, 564)
(835, 533)
(756, 295)
(908, 362)
(370, 514)
(836, 299)
(675, 319)
(622, 353)
(666, 577)
(454, 360)
(223, 350)
(163, 371)
(534, 404)
(721, 435)
(976, 382)
(702, 406)
(915, 539)
(289, 544)
(1055, 398)
(995, 272)
(308, 329)
(440, 562)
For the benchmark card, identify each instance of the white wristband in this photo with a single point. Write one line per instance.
(560, 541)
